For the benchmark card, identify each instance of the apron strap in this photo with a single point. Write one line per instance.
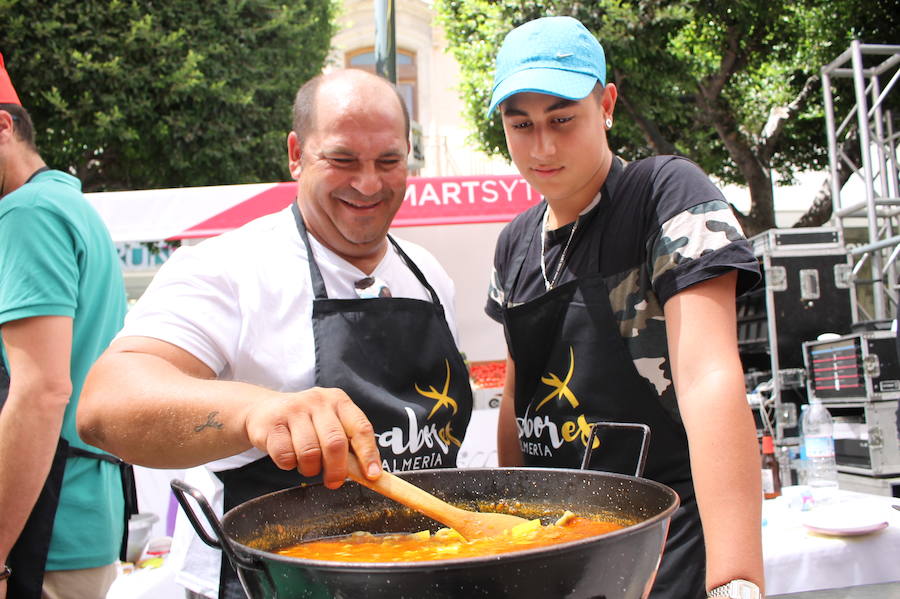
(129, 486)
(4, 382)
(608, 190)
(77, 452)
(316, 274)
(415, 270)
(36, 173)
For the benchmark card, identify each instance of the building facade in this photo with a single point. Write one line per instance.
(427, 75)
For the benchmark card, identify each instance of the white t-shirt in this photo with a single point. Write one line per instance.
(241, 303)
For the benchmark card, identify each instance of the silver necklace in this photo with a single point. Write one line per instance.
(550, 283)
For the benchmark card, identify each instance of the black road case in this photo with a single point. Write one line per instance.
(806, 292)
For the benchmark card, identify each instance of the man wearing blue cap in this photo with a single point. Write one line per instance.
(617, 296)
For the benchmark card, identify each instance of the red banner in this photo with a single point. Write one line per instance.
(457, 200)
(428, 201)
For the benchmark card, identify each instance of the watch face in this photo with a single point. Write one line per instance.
(737, 589)
(745, 590)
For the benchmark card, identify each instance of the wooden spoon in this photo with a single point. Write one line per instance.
(471, 525)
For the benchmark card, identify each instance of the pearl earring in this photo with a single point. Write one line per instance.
(609, 123)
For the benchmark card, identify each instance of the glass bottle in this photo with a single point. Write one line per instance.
(771, 475)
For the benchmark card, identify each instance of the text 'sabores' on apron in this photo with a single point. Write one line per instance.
(397, 360)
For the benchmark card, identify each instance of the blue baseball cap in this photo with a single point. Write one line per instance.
(550, 55)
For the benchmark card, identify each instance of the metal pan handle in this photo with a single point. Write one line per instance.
(645, 442)
(181, 489)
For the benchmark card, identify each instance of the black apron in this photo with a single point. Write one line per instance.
(572, 369)
(397, 360)
(28, 556)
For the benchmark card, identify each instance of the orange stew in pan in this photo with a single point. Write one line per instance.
(447, 543)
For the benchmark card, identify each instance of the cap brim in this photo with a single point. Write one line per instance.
(555, 82)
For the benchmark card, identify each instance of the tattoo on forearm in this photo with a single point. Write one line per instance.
(210, 423)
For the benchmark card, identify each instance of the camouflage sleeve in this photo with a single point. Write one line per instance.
(699, 243)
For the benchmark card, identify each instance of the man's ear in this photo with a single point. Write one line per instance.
(295, 151)
(6, 126)
(608, 101)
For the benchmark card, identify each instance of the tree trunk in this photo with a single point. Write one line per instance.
(762, 202)
(821, 209)
(762, 205)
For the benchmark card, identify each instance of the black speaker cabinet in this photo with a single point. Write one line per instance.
(806, 291)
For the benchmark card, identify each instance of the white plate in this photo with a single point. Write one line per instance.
(845, 520)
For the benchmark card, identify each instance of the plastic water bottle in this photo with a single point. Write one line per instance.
(800, 461)
(818, 442)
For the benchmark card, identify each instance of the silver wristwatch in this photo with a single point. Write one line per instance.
(737, 589)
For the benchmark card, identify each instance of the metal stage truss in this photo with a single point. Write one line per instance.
(871, 126)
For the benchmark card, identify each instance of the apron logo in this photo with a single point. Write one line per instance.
(447, 437)
(416, 436)
(580, 428)
(441, 399)
(560, 387)
(412, 441)
(568, 431)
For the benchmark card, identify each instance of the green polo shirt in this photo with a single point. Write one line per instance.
(57, 259)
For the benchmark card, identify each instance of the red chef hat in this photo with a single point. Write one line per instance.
(7, 91)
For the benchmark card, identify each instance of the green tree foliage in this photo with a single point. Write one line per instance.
(131, 94)
(732, 84)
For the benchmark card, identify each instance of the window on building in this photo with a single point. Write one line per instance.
(364, 58)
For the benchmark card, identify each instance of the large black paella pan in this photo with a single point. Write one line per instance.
(618, 565)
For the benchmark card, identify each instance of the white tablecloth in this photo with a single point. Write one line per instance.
(147, 583)
(797, 559)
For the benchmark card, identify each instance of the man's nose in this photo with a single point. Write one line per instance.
(543, 146)
(367, 180)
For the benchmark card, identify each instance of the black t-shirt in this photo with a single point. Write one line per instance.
(659, 227)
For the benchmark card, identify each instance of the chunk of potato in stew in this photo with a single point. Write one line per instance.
(446, 543)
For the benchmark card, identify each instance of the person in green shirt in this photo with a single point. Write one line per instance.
(62, 300)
